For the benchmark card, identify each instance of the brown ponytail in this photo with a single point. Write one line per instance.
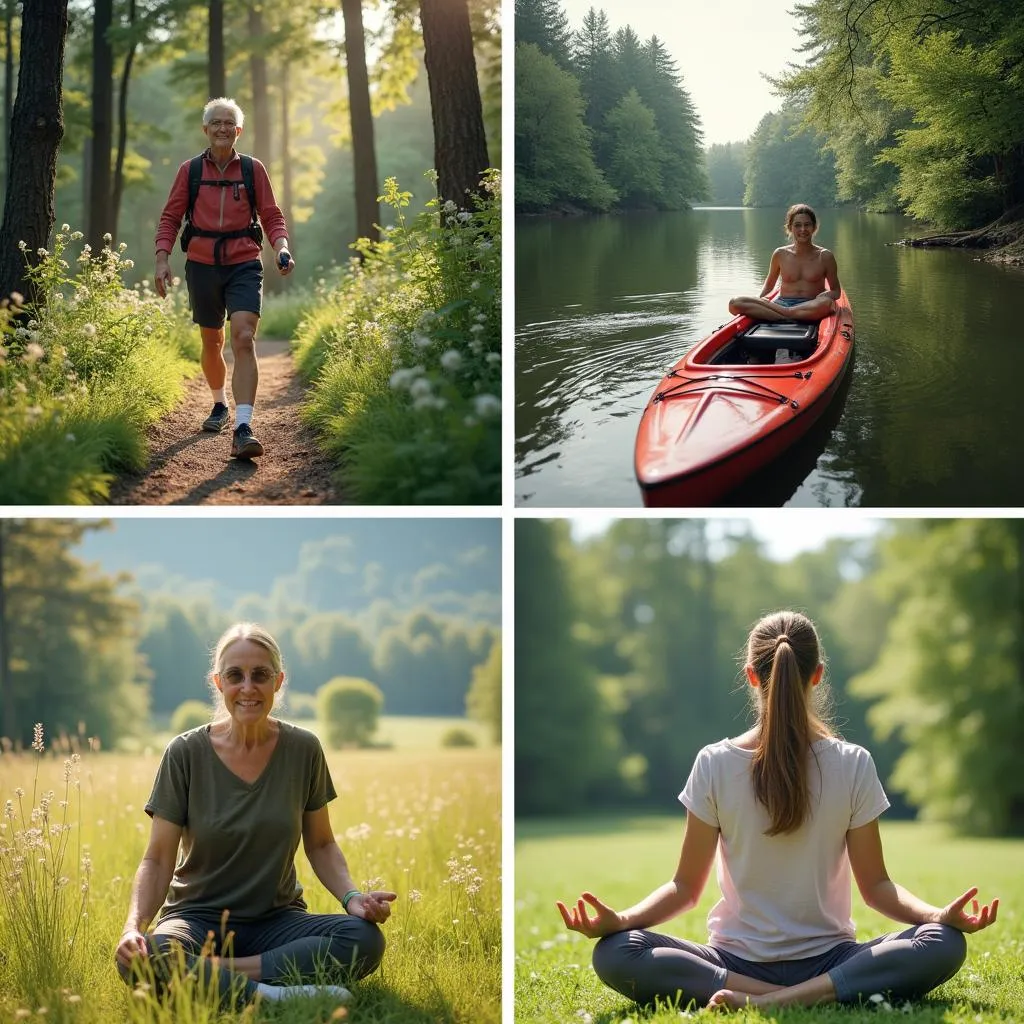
(784, 652)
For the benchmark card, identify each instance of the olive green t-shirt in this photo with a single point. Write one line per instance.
(239, 839)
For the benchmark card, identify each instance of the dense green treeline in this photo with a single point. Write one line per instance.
(627, 648)
(80, 645)
(602, 118)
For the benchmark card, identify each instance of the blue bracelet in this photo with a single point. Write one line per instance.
(347, 897)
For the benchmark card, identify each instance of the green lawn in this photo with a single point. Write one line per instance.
(621, 859)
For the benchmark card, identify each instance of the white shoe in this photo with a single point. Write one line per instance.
(336, 992)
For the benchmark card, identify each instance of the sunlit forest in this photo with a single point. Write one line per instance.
(86, 646)
(628, 648)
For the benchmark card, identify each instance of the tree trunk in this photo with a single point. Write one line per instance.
(260, 145)
(218, 75)
(460, 144)
(37, 123)
(100, 217)
(9, 6)
(286, 163)
(364, 157)
(122, 124)
(7, 723)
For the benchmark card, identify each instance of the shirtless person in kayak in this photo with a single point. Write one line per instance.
(804, 267)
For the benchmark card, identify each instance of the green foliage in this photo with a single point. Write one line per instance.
(483, 701)
(620, 859)
(190, 714)
(726, 164)
(90, 366)
(932, 93)
(70, 636)
(301, 706)
(788, 164)
(458, 737)
(405, 359)
(349, 709)
(955, 645)
(553, 160)
(634, 143)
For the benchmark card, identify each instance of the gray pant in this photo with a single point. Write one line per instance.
(291, 944)
(643, 965)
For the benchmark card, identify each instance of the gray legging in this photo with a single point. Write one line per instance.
(288, 941)
(643, 965)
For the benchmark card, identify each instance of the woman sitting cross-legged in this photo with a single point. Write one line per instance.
(237, 795)
(790, 808)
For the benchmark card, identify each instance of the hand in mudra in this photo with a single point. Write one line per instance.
(372, 906)
(955, 914)
(579, 920)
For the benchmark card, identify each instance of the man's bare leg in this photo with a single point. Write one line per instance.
(215, 370)
(764, 309)
(807, 993)
(245, 376)
(751, 986)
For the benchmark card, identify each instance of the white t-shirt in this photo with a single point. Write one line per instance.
(784, 897)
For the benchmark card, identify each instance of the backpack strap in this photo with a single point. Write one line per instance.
(249, 178)
(195, 179)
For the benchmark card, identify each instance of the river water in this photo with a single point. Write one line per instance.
(930, 415)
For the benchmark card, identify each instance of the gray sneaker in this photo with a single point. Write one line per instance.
(218, 419)
(244, 445)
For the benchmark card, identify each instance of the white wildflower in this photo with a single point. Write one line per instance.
(451, 360)
(420, 387)
(17, 298)
(70, 438)
(476, 329)
(486, 405)
(42, 252)
(33, 352)
(89, 330)
(65, 227)
(22, 245)
(449, 206)
(401, 378)
(484, 244)
(494, 357)
(128, 264)
(76, 235)
(107, 237)
(420, 340)
(122, 247)
(464, 216)
(33, 324)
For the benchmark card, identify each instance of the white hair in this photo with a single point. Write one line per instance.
(223, 101)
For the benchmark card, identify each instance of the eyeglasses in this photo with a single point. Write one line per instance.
(222, 124)
(259, 675)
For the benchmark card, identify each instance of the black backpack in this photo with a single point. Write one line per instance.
(195, 179)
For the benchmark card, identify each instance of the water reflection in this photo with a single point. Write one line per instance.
(604, 305)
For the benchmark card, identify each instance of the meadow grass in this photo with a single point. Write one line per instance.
(621, 859)
(425, 825)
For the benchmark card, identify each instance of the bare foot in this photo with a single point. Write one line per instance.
(728, 999)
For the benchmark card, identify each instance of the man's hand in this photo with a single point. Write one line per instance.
(284, 268)
(163, 276)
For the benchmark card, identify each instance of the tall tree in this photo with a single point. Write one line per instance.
(9, 11)
(460, 144)
(215, 50)
(260, 144)
(100, 216)
(122, 120)
(38, 126)
(364, 155)
(544, 24)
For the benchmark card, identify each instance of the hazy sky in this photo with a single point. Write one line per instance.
(786, 532)
(720, 47)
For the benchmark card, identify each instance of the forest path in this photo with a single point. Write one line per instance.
(188, 466)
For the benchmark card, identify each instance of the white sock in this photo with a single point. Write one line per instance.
(278, 992)
(220, 395)
(243, 414)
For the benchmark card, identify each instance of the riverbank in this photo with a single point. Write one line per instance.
(1002, 241)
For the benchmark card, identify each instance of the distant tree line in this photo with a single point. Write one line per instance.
(81, 646)
(628, 649)
(601, 119)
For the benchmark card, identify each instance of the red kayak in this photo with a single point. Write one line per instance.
(735, 402)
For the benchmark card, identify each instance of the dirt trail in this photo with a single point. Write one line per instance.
(190, 467)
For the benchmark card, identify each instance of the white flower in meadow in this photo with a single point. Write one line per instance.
(176, 281)
(17, 298)
(148, 329)
(484, 244)
(494, 357)
(33, 324)
(76, 235)
(22, 245)
(465, 216)
(122, 247)
(487, 405)
(70, 438)
(107, 237)
(473, 287)
(128, 264)
(65, 227)
(420, 340)
(89, 330)
(476, 329)
(420, 387)
(449, 206)
(42, 252)
(33, 352)
(481, 318)
(400, 379)
(422, 402)
(415, 895)
(451, 360)
(876, 998)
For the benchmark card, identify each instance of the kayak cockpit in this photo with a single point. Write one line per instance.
(785, 341)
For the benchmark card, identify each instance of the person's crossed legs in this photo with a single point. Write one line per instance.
(764, 309)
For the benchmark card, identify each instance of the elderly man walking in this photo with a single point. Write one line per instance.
(220, 194)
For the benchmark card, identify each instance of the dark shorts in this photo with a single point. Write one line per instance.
(792, 301)
(212, 291)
